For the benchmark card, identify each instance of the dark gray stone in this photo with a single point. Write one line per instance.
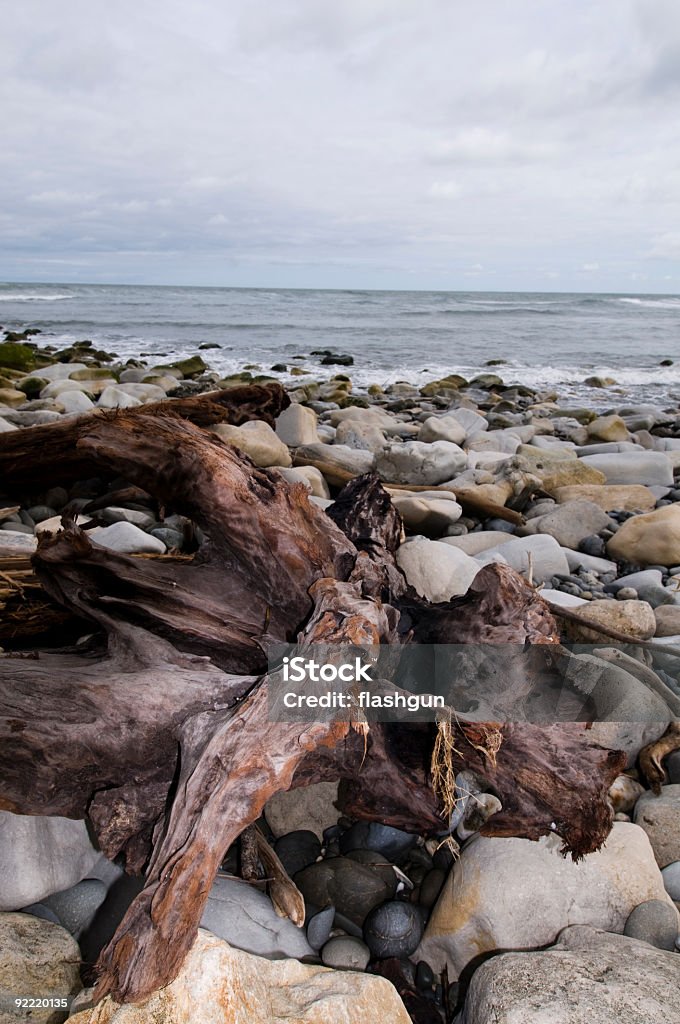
(319, 927)
(393, 929)
(297, 850)
(371, 835)
(171, 538)
(431, 886)
(352, 888)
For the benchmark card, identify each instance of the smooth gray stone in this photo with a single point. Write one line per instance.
(608, 448)
(76, 907)
(393, 929)
(576, 559)
(636, 467)
(246, 919)
(671, 880)
(655, 922)
(644, 578)
(346, 953)
(319, 927)
(392, 843)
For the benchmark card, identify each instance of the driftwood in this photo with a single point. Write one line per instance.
(158, 730)
(39, 457)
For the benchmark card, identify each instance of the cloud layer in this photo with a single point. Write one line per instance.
(361, 143)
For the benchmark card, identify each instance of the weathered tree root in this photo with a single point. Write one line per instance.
(652, 756)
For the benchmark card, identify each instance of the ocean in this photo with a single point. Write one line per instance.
(547, 340)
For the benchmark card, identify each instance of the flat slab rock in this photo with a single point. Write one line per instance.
(587, 977)
(221, 985)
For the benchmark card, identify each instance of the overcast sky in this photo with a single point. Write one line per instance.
(501, 144)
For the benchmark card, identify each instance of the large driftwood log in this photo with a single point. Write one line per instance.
(161, 735)
(39, 457)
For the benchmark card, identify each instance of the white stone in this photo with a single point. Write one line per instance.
(634, 467)
(58, 387)
(257, 439)
(518, 894)
(414, 462)
(12, 543)
(115, 398)
(57, 371)
(75, 402)
(307, 475)
(546, 555)
(296, 425)
(365, 436)
(376, 417)
(435, 570)
(442, 428)
(126, 538)
(6, 426)
(476, 543)
(431, 516)
(470, 420)
(41, 855)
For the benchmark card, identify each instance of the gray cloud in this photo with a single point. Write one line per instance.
(379, 143)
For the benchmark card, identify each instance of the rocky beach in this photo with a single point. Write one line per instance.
(576, 506)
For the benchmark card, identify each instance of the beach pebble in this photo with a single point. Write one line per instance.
(649, 539)
(76, 907)
(608, 428)
(346, 953)
(659, 816)
(442, 428)
(671, 880)
(436, 570)
(116, 398)
(429, 516)
(571, 523)
(351, 887)
(547, 557)
(297, 850)
(477, 911)
(634, 618)
(588, 977)
(393, 929)
(478, 810)
(624, 793)
(431, 886)
(75, 402)
(632, 467)
(246, 919)
(309, 807)
(654, 921)
(296, 425)
(39, 959)
(364, 436)
(627, 497)
(391, 842)
(319, 927)
(172, 539)
(257, 439)
(127, 539)
(414, 462)
(60, 371)
(53, 524)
